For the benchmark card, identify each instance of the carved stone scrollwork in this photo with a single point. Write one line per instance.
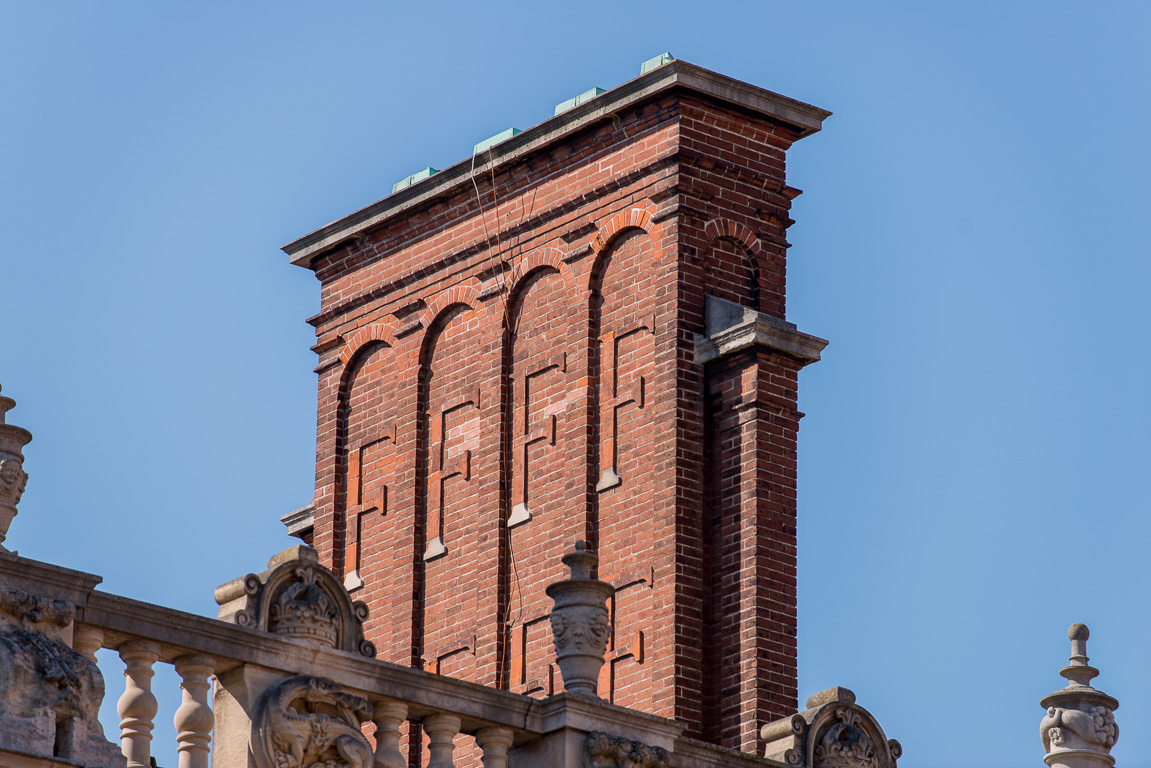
(833, 732)
(297, 598)
(604, 751)
(844, 744)
(51, 693)
(302, 609)
(306, 722)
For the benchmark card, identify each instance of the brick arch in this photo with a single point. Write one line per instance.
(464, 293)
(546, 256)
(725, 229)
(636, 218)
(742, 236)
(383, 332)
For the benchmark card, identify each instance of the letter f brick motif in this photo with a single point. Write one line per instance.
(524, 436)
(368, 472)
(615, 395)
(442, 470)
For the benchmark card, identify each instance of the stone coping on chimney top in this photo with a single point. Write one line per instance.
(807, 119)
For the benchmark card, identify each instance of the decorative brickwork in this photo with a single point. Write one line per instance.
(504, 372)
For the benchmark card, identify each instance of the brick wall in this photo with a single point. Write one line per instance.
(502, 374)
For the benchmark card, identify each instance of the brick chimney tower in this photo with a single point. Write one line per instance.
(578, 333)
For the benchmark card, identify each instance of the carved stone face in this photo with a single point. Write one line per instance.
(9, 474)
(12, 479)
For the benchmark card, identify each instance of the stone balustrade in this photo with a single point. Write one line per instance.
(246, 692)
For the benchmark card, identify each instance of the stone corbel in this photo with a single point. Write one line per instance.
(730, 328)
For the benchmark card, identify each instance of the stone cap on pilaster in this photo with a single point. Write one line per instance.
(730, 328)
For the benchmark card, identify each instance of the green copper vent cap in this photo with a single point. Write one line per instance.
(575, 101)
(658, 61)
(415, 178)
(492, 141)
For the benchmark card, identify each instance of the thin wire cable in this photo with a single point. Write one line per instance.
(493, 257)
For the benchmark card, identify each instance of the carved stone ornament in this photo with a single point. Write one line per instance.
(579, 622)
(300, 599)
(1079, 729)
(603, 751)
(833, 732)
(51, 694)
(13, 478)
(310, 722)
(844, 744)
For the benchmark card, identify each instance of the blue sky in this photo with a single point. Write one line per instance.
(972, 240)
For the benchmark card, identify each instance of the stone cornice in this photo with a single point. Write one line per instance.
(805, 118)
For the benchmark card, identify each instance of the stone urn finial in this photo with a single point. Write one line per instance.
(580, 623)
(1079, 728)
(13, 478)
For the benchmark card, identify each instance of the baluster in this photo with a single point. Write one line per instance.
(137, 706)
(495, 741)
(194, 719)
(388, 717)
(87, 640)
(441, 729)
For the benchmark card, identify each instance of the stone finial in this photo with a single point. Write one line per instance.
(1079, 730)
(13, 478)
(579, 621)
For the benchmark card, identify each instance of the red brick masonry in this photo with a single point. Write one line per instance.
(504, 372)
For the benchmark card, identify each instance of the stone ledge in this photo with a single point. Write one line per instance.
(731, 328)
(690, 753)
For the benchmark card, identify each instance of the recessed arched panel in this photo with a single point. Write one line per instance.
(366, 476)
(534, 421)
(627, 438)
(729, 263)
(450, 465)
